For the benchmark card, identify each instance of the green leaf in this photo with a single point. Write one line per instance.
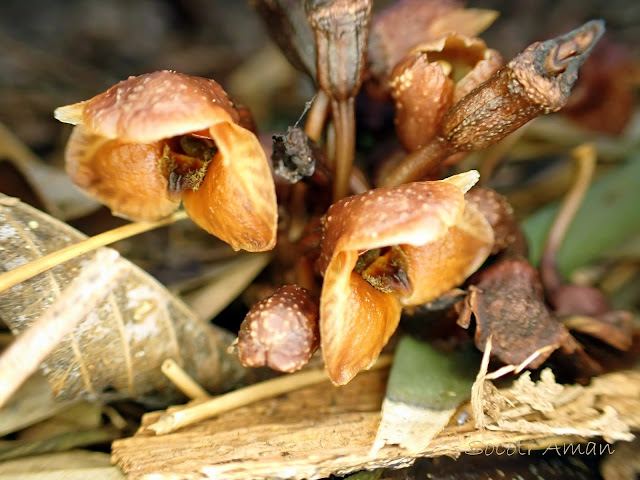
(425, 388)
(609, 214)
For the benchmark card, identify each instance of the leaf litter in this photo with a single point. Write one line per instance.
(116, 351)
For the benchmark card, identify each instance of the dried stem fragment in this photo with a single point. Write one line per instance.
(170, 422)
(182, 380)
(25, 354)
(31, 269)
(537, 81)
(584, 157)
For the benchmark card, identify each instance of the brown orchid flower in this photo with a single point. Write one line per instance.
(386, 249)
(150, 141)
(433, 78)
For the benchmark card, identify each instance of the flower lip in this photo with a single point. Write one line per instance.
(414, 214)
(151, 107)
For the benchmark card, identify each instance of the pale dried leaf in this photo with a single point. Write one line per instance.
(119, 347)
(31, 404)
(315, 432)
(52, 185)
(73, 459)
(101, 473)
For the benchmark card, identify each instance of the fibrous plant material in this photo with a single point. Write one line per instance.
(152, 140)
(536, 82)
(117, 349)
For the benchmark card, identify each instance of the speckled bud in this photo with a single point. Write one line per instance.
(281, 331)
(498, 212)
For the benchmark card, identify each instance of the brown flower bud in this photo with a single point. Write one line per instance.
(498, 212)
(436, 75)
(341, 30)
(281, 331)
(150, 140)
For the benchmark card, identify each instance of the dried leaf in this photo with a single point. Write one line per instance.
(31, 404)
(72, 459)
(508, 304)
(425, 389)
(118, 348)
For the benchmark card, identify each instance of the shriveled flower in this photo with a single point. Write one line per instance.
(434, 77)
(407, 23)
(389, 248)
(149, 141)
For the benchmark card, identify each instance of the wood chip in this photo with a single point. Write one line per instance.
(315, 432)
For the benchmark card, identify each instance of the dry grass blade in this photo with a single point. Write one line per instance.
(42, 264)
(118, 348)
(182, 380)
(52, 185)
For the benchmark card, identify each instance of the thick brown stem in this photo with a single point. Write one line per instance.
(345, 125)
(585, 158)
(419, 164)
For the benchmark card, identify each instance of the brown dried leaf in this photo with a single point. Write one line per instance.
(507, 302)
(119, 347)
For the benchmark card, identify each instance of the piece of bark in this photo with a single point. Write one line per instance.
(319, 431)
(117, 350)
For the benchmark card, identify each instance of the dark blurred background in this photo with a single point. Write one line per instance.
(60, 51)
